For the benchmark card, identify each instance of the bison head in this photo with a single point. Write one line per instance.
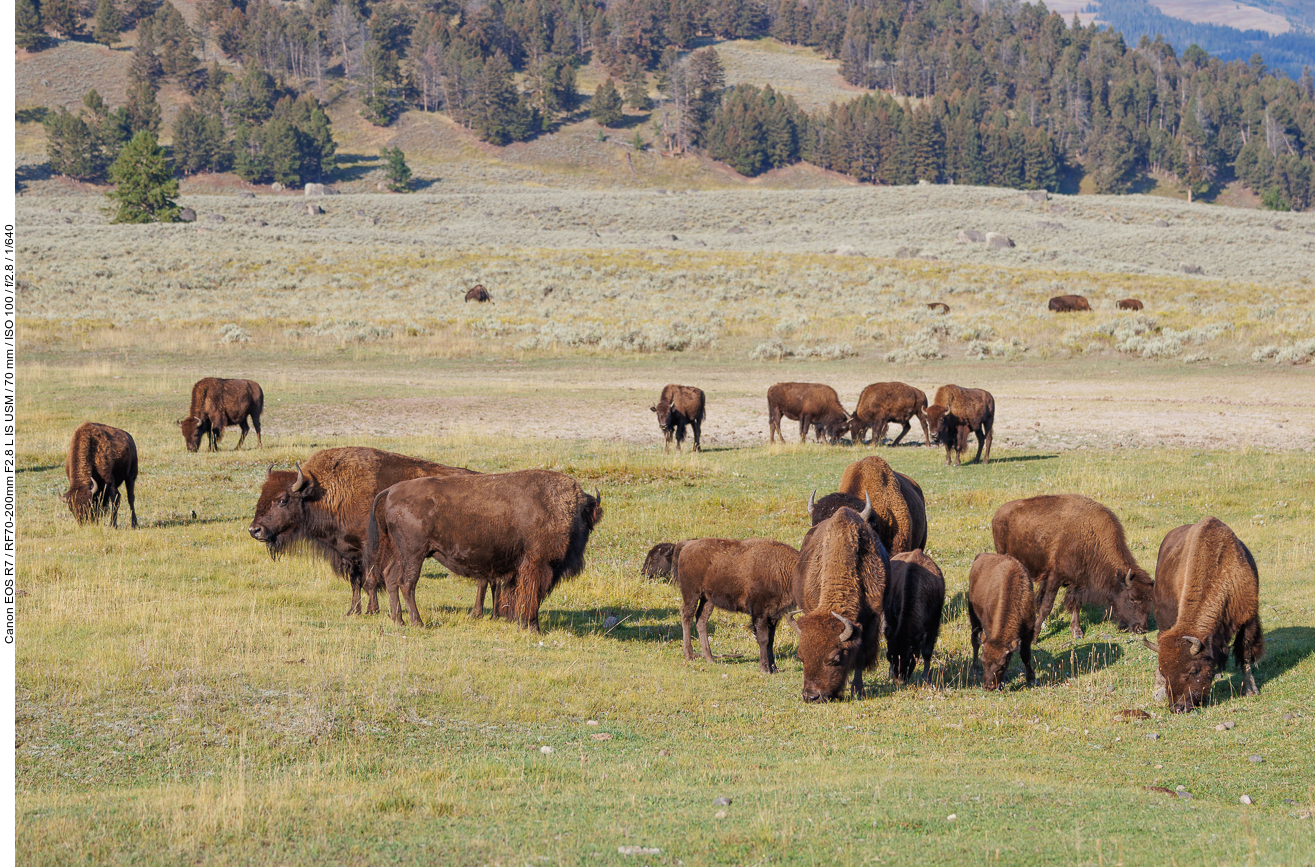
(995, 659)
(663, 410)
(1134, 601)
(820, 510)
(829, 645)
(281, 510)
(936, 422)
(83, 502)
(1188, 666)
(658, 562)
(194, 428)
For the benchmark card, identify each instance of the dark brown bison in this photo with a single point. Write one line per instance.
(809, 403)
(100, 458)
(749, 576)
(914, 597)
(1000, 613)
(1069, 304)
(1206, 595)
(1129, 304)
(899, 511)
(477, 293)
(884, 402)
(678, 406)
(658, 562)
(838, 584)
(522, 531)
(1066, 540)
(220, 403)
(957, 412)
(938, 307)
(326, 503)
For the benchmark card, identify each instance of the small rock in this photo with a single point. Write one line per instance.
(1255, 760)
(1225, 725)
(672, 238)
(969, 236)
(277, 187)
(1187, 268)
(1245, 799)
(320, 190)
(547, 751)
(907, 252)
(256, 221)
(735, 230)
(996, 241)
(601, 736)
(951, 817)
(1047, 224)
(1186, 796)
(592, 722)
(1059, 209)
(216, 218)
(611, 621)
(721, 802)
(1181, 788)
(846, 250)
(245, 194)
(1035, 196)
(1289, 716)
(314, 210)
(637, 850)
(187, 215)
(664, 752)
(1161, 224)
(720, 814)
(1153, 736)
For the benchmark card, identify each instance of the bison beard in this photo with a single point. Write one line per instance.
(523, 531)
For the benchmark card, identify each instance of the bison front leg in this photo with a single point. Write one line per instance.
(1025, 654)
(975, 625)
(803, 430)
(1047, 588)
(680, 436)
(666, 436)
(1075, 615)
(1247, 648)
(856, 689)
(926, 432)
(357, 581)
(902, 432)
(764, 629)
(481, 587)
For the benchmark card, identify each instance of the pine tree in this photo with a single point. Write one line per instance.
(606, 106)
(497, 111)
(143, 110)
(397, 173)
(144, 184)
(63, 15)
(635, 83)
(27, 25)
(198, 141)
(108, 23)
(69, 146)
(175, 40)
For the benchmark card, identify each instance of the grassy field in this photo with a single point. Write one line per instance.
(182, 698)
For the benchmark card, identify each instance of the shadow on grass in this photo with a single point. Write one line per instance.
(1285, 649)
(955, 608)
(1022, 458)
(1076, 661)
(41, 469)
(184, 521)
(627, 626)
(363, 165)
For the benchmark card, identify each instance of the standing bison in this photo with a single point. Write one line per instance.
(839, 582)
(898, 506)
(522, 531)
(326, 503)
(1129, 304)
(750, 576)
(1000, 610)
(678, 406)
(1207, 593)
(914, 597)
(100, 458)
(658, 562)
(957, 412)
(884, 402)
(809, 403)
(477, 293)
(1069, 304)
(1066, 540)
(220, 403)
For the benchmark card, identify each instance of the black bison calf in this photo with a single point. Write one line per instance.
(957, 412)
(884, 402)
(1000, 612)
(812, 404)
(1129, 304)
(915, 595)
(220, 403)
(658, 562)
(678, 406)
(750, 576)
(1207, 593)
(100, 458)
(1069, 304)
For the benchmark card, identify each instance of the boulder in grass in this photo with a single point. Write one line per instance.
(245, 194)
(187, 215)
(907, 252)
(968, 236)
(314, 210)
(736, 230)
(1161, 224)
(276, 187)
(216, 218)
(320, 190)
(1050, 224)
(996, 241)
(1188, 268)
(1035, 196)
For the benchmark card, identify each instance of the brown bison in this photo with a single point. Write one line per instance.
(915, 595)
(100, 458)
(938, 307)
(1069, 304)
(1000, 612)
(1206, 595)
(898, 506)
(678, 406)
(884, 402)
(820, 510)
(477, 293)
(750, 576)
(1129, 304)
(809, 403)
(658, 562)
(957, 412)
(522, 531)
(1066, 540)
(220, 403)
(838, 584)
(326, 503)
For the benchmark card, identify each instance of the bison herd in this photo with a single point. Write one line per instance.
(861, 570)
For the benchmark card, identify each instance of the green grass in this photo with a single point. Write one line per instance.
(182, 698)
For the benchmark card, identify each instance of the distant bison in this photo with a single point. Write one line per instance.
(938, 307)
(1207, 593)
(678, 406)
(811, 404)
(838, 584)
(750, 576)
(1000, 612)
(915, 595)
(220, 403)
(1069, 304)
(957, 412)
(100, 458)
(1129, 304)
(898, 505)
(1066, 540)
(884, 402)
(522, 531)
(658, 562)
(477, 293)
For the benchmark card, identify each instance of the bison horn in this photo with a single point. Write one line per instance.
(300, 482)
(867, 507)
(812, 500)
(1127, 579)
(94, 487)
(849, 626)
(1196, 644)
(794, 625)
(598, 497)
(269, 470)
(1146, 641)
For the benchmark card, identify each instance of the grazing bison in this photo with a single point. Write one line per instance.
(884, 402)
(326, 503)
(809, 403)
(838, 583)
(220, 403)
(957, 412)
(1000, 612)
(898, 506)
(658, 562)
(478, 293)
(938, 307)
(100, 458)
(522, 531)
(1129, 304)
(750, 576)
(1206, 595)
(678, 406)
(915, 595)
(1069, 304)
(1066, 540)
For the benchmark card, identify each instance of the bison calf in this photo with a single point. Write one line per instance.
(1000, 611)
(914, 597)
(752, 576)
(1129, 304)
(957, 412)
(678, 406)
(658, 562)
(884, 402)
(99, 459)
